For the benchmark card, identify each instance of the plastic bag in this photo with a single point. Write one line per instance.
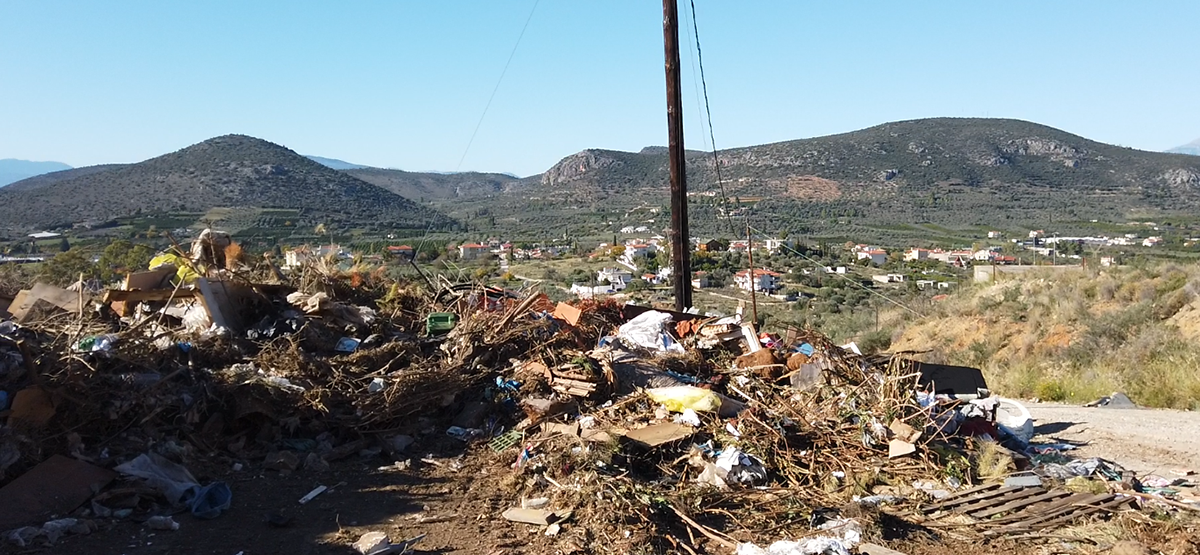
(1015, 418)
(682, 397)
(171, 479)
(211, 500)
(648, 330)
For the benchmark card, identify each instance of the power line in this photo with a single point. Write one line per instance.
(696, 83)
(843, 276)
(708, 112)
(497, 87)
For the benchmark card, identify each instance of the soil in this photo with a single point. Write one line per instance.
(458, 510)
(1148, 441)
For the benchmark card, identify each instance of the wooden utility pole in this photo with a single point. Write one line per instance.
(681, 241)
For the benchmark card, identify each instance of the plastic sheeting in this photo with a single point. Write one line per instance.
(649, 331)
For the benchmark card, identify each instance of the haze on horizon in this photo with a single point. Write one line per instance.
(404, 85)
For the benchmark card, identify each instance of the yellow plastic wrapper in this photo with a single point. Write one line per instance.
(682, 397)
(183, 271)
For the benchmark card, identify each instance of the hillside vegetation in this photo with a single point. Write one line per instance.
(1073, 336)
(431, 186)
(877, 181)
(229, 171)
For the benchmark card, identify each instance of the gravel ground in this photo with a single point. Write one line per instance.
(1149, 441)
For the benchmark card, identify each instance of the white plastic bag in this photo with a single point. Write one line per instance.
(648, 330)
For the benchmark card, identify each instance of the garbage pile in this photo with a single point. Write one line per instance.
(615, 425)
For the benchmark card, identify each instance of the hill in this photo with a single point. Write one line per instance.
(12, 170)
(334, 163)
(233, 171)
(942, 171)
(1071, 335)
(440, 186)
(1192, 148)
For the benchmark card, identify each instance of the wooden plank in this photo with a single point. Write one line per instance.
(1044, 509)
(1080, 500)
(1082, 512)
(1020, 503)
(950, 503)
(977, 489)
(998, 501)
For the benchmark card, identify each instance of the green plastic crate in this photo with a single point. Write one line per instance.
(440, 322)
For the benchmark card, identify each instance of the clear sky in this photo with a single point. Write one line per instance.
(403, 83)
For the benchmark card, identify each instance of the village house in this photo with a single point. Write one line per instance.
(773, 246)
(889, 278)
(472, 251)
(761, 280)
(701, 281)
(713, 245)
(916, 255)
(618, 278)
(294, 258)
(876, 255)
(403, 252)
(995, 234)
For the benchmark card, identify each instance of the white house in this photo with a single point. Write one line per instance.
(472, 251)
(913, 255)
(616, 277)
(1151, 241)
(775, 245)
(761, 280)
(878, 256)
(889, 278)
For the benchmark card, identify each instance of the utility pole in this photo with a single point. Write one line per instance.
(753, 281)
(681, 241)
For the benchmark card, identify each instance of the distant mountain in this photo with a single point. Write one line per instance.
(233, 171)
(12, 170)
(54, 177)
(944, 171)
(1192, 148)
(334, 163)
(434, 186)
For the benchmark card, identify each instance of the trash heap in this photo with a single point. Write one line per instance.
(614, 426)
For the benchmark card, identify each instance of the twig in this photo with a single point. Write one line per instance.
(709, 533)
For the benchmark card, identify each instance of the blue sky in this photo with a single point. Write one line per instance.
(403, 84)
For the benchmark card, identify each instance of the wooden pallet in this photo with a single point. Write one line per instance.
(1011, 510)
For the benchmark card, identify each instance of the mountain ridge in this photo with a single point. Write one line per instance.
(227, 171)
(1192, 148)
(944, 171)
(13, 169)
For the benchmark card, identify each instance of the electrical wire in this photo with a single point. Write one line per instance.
(843, 276)
(497, 87)
(708, 112)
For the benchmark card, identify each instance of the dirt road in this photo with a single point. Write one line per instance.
(1142, 440)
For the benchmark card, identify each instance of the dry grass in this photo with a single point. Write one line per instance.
(1075, 337)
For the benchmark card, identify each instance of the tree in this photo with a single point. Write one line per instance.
(122, 257)
(65, 268)
(64, 245)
